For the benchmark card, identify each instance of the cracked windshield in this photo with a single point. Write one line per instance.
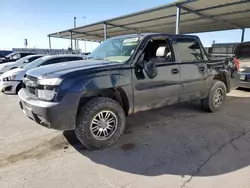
(117, 49)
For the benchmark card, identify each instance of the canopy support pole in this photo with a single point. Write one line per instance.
(243, 35)
(178, 16)
(105, 31)
(49, 44)
(75, 27)
(71, 44)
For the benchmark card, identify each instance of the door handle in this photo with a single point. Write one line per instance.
(175, 71)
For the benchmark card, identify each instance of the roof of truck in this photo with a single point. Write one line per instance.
(196, 16)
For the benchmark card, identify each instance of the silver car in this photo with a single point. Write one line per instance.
(11, 81)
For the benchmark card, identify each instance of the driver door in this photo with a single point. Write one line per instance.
(165, 88)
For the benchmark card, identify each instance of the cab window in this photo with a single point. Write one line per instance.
(158, 50)
(190, 50)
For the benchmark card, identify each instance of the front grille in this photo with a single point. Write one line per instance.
(29, 83)
(34, 79)
(32, 90)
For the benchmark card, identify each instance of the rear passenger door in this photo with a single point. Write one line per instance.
(193, 68)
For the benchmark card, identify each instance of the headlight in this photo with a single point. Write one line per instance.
(9, 78)
(49, 81)
(46, 94)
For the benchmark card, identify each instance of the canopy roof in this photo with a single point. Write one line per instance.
(196, 16)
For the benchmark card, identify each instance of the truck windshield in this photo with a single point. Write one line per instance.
(116, 49)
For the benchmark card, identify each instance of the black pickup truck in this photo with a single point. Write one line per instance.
(124, 75)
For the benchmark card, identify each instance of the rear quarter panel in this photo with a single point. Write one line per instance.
(225, 68)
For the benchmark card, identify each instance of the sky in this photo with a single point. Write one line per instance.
(35, 19)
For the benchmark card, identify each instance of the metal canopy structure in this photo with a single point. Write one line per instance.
(188, 16)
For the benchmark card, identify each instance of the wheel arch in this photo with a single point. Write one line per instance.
(223, 76)
(117, 94)
(18, 87)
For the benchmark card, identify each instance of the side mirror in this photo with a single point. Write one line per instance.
(26, 61)
(151, 69)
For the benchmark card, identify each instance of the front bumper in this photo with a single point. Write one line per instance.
(56, 115)
(244, 84)
(9, 86)
(245, 80)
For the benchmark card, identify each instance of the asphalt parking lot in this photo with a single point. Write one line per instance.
(178, 146)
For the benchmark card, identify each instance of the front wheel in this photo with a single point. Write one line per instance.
(100, 122)
(216, 97)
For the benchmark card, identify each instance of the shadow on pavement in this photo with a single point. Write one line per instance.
(180, 140)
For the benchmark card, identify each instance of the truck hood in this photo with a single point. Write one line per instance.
(60, 69)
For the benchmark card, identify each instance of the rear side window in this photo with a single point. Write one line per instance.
(190, 50)
(25, 54)
(76, 58)
(51, 61)
(34, 58)
(71, 59)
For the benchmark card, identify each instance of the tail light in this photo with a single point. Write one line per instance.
(237, 63)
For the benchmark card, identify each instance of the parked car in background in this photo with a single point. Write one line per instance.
(19, 63)
(242, 53)
(14, 56)
(11, 81)
(85, 54)
(122, 76)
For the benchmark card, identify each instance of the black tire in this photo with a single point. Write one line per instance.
(88, 112)
(208, 103)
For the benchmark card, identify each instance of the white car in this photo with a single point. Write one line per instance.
(11, 81)
(15, 64)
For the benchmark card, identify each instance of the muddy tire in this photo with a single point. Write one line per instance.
(216, 97)
(100, 122)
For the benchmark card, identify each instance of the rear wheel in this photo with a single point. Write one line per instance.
(100, 122)
(216, 97)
